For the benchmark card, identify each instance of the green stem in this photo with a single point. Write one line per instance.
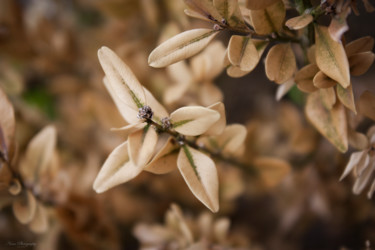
(248, 168)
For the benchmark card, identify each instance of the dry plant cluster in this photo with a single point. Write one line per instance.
(261, 173)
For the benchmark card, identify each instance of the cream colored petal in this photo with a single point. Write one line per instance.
(39, 224)
(284, 88)
(141, 146)
(165, 159)
(25, 207)
(182, 46)
(180, 72)
(362, 165)
(39, 153)
(116, 169)
(121, 79)
(131, 127)
(193, 120)
(199, 172)
(353, 161)
(218, 127)
(174, 93)
(362, 181)
(152, 234)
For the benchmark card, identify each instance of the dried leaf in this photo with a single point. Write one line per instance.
(209, 94)
(204, 8)
(328, 97)
(355, 158)
(39, 154)
(243, 53)
(299, 22)
(360, 45)
(25, 207)
(367, 105)
(311, 54)
(338, 25)
(158, 109)
(218, 127)
(357, 140)
(200, 174)
(7, 125)
(15, 187)
(346, 97)
(259, 5)
(331, 57)
(226, 8)
(269, 19)
(304, 78)
(165, 158)
(193, 120)
(122, 84)
(182, 46)
(362, 181)
(39, 224)
(322, 81)
(141, 145)
(272, 170)
(330, 123)
(116, 169)
(284, 88)
(371, 190)
(232, 139)
(361, 62)
(280, 63)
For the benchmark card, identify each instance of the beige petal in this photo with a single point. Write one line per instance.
(116, 169)
(361, 62)
(284, 88)
(165, 158)
(304, 78)
(346, 97)
(199, 172)
(131, 127)
(25, 207)
(259, 5)
(174, 93)
(243, 53)
(193, 120)
(269, 19)
(353, 161)
(331, 57)
(360, 45)
(322, 81)
(362, 165)
(39, 224)
(272, 170)
(218, 127)
(362, 181)
(39, 154)
(367, 105)
(121, 80)
(179, 223)
(141, 146)
(182, 46)
(7, 125)
(152, 234)
(330, 123)
(328, 97)
(299, 22)
(280, 63)
(180, 72)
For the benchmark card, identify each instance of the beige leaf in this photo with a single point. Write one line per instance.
(39, 224)
(360, 45)
(322, 81)
(199, 172)
(367, 105)
(182, 46)
(193, 120)
(158, 109)
(141, 146)
(243, 53)
(269, 19)
(123, 84)
(232, 139)
(174, 93)
(116, 169)
(280, 63)
(204, 8)
(284, 88)
(218, 127)
(272, 170)
(226, 8)
(304, 78)
(39, 154)
(221, 229)
(357, 140)
(235, 71)
(25, 207)
(362, 181)
(165, 158)
(194, 14)
(328, 97)
(361, 62)
(15, 187)
(7, 125)
(331, 57)
(355, 158)
(346, 97)
(259, 5)
(299, 22)
(209, 94)
(330, 123)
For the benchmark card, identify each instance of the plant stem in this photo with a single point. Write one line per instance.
(248, 168)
